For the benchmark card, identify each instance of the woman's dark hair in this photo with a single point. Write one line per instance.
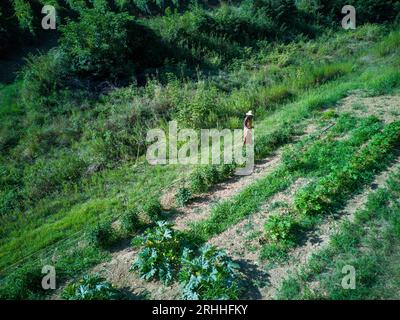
(247, 119)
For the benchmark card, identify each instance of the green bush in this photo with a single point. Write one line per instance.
(159, 257)
(46, 176)
(43, 77)
(204, 177)
(24, 283)
(153, 209)
(98, 43)
(102, 235)
(91, 287)
(280, 228)
(209, 276)
(107, 44)
(183, 196)
(130, 221)
(198, 109)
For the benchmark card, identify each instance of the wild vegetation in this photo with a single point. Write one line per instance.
(74, 182)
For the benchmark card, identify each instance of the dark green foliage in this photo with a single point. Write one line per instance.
(183, 196)
(153, 209)
(272, 252)
(280, 228)
(92, 287)
(98, 44)
(25, 283)
(43, 77)
(102, 235)
(130, 221)
(108, 44)
(330, 12)
(209, 276)
(204, 177)
(159, 257)
(331, 190)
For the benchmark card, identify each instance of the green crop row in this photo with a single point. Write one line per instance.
(166, 255)
(369, 243)
(334, 189)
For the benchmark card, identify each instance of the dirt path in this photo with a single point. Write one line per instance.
(386, 108)
(201, 207)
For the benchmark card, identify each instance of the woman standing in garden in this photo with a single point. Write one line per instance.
(248, 126)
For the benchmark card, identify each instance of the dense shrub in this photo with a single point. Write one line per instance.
(103, 43)
(183, 196)
(159, 257)
(280, 228)
(102, 235)
(204, 177)
(43, 77)
(153, 209)
(24, 283)
(375, 11)
(46, 176)
(209, 276)
(198, 109)
(92, 287)
(98, 43)
(130, 221)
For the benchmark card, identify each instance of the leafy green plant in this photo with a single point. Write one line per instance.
(280, 228)
(333, 189)
(183, 196)
(102, 234)
(130, 221)
(24, 283)
(153, 209)
(159, 257)
(92, 287)
(204, 177)
(209, 276)
(43, 77)
(98, 43)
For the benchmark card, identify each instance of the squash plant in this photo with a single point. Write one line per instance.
(159, 258)
(209, 276)
(91, 287)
